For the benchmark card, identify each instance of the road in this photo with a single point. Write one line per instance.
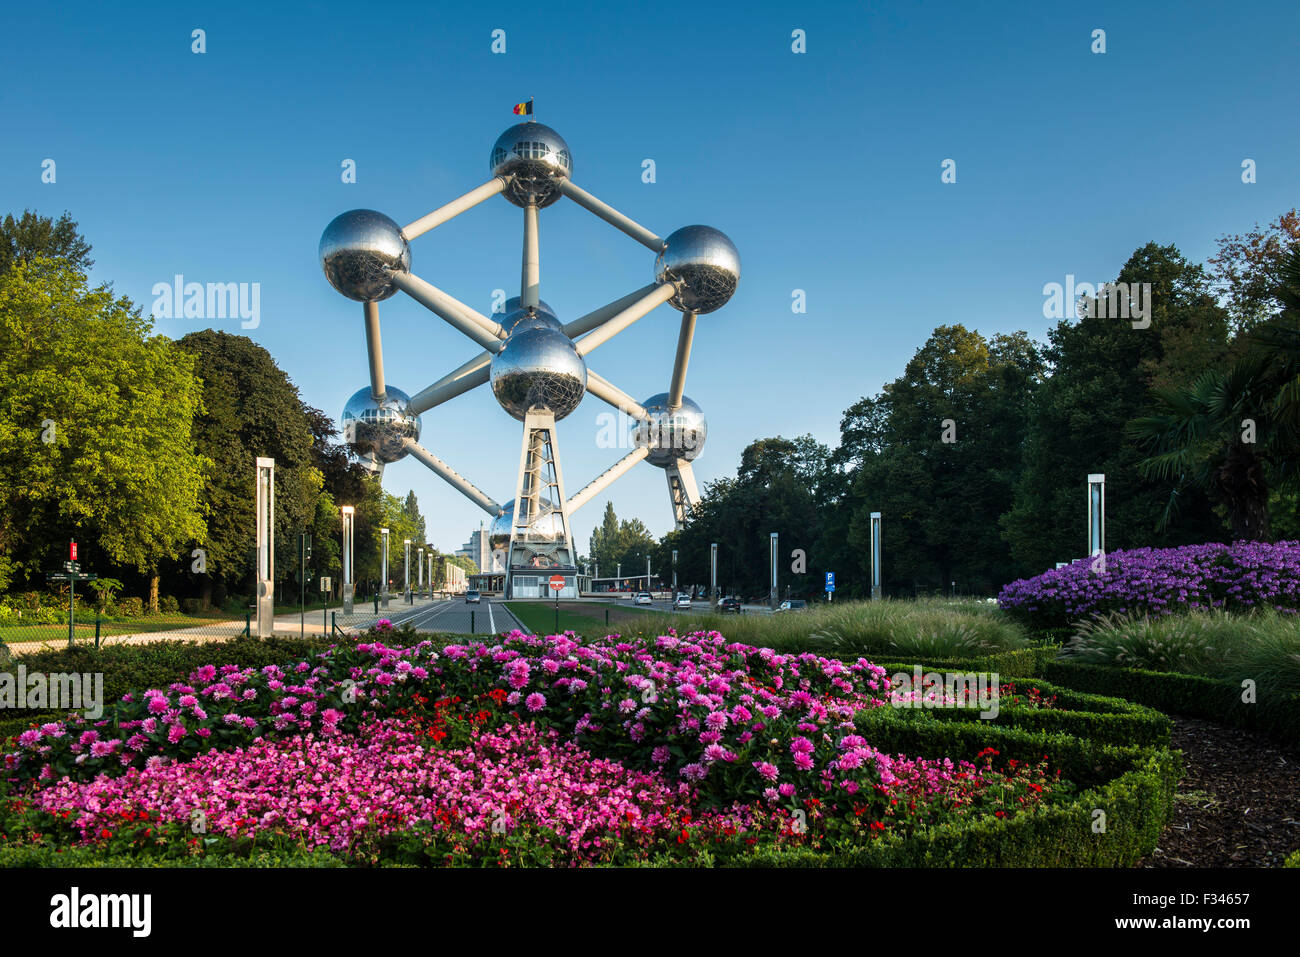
(455, 616)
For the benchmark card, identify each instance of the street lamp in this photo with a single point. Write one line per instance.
(876, 578)
(1096, 515)
(383, 586)
(406, 571)
(348, 513)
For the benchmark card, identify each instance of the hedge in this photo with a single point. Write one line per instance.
(1018, 663)
(1099, 718)
(81, 856)
(1133, 786)
(1210, 698)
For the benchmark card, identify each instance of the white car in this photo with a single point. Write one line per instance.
(643, 599)
(473, 596)
(682, 601)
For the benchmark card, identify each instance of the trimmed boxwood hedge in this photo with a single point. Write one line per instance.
(1200, 697)
(1133, 786)
(1099, 718)
(1018, 663)
(78, 856)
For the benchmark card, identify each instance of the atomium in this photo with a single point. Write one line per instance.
(378, 430)
(706, 265)
(547, 527)
(670, 436)
(538, 370)
(535, 158)
(359, 250)
(514, 312)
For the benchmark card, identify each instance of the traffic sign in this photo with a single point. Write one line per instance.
(72, 551)
(830, 581)
(557, 582)
(325, 583)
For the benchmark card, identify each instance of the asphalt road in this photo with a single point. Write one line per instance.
(452, 617)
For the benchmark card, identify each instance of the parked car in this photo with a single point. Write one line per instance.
(730, 603)
(472, 595)
(682, 601)
(643, 598)
(794, 604)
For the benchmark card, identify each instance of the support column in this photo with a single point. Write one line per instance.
(530, 279)
(541, 539)
(383, 569)
(682, 490)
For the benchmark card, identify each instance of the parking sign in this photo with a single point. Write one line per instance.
(830, 581)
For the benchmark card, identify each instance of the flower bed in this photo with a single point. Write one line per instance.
(531, 750)
(1160, 581)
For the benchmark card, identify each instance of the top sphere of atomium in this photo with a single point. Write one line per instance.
(705, 263)
(377, 429)
(358, 251)
(671, 435)
(539, 369)
(537, 158)
(513, 313)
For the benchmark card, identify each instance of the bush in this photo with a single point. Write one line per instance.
(191, 606)
(168, 605)
(130, 607)
(1160, 581)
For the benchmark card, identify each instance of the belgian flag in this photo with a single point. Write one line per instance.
(524, 109)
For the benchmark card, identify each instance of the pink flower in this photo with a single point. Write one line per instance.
(535, 702)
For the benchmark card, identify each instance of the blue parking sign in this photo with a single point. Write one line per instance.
(830, 581)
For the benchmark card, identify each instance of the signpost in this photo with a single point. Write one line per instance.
(830, 586)
(71, 574)
(557, 585)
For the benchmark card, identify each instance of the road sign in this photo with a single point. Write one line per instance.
(325, 583)
(72, 551)
(557, 582)
(72, 567)
(830, 581)
(70, 576)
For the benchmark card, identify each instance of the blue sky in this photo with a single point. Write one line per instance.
(823, 167)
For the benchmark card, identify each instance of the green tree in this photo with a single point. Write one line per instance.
(95, 420)
(1102, 372)
(31, 236)
(251, 409)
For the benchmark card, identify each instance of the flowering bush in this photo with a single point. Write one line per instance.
(1160, 581)
(550, 747)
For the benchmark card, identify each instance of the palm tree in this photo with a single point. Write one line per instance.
(1234, 433)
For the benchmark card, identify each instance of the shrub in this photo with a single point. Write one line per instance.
(1160, 581)
(168, 605)
(191, 606)
(130, 607)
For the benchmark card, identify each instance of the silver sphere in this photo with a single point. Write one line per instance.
(706, 264)
(538, 368)
(376, 429)
(359, 249)
(671, 435)
(546, 528)
(509, 319)
(537, 157)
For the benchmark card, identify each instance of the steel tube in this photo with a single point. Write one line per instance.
(375, 350)
(684, 340)
(452, 477)
(611, 215)
(605, 478)
(473, 324)
(454, 208)
(620, 321)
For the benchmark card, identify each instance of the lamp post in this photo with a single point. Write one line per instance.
(348, 513)
(406, 572)
(713, 573)
(1096, 515)
(876, 578)
(674, 574)
(383, 585)
(420, 570)
(265, 546)
(774, 593)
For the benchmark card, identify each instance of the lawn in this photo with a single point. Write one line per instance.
(582, 617)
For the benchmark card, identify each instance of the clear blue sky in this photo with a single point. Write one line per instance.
(823, 167)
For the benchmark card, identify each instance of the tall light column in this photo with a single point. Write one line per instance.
(713, 573)
(406, 571)
(773, 593)
(674, 574)
(383, 570)
(877, 580)
(348, 514)
(647, 573)
(265, 493)
(1096, 514)
(420, 567)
